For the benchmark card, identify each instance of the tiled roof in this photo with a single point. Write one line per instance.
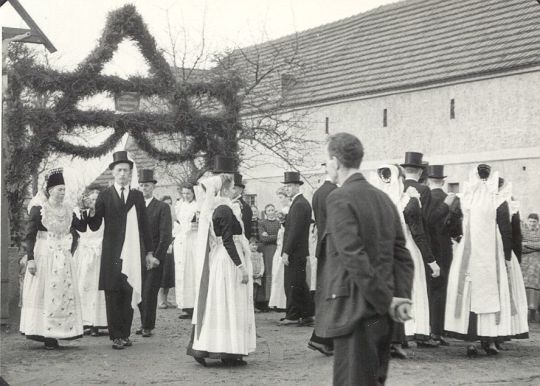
(405, 44)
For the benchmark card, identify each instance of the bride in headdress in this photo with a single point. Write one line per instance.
(51, 307)
(223, 318)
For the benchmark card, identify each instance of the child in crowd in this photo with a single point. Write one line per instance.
(258, 266)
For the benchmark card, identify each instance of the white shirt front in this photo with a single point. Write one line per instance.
(148, 201)
(119, 187)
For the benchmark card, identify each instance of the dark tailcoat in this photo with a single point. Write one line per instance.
(159, 215)
(247, 217)
(109, 208)
(367, 260)
(296, 245)
(297, 223)
(319, 211)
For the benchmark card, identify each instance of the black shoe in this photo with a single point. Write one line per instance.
(87, 331)
(139, 331)
(472, 351)
(200, 361)
(51, 344)
(490, 350)
(322, 348)
(118, 344)
(443, 342)
(233, 362)
(94, 332)
(127, 342)
(185, 316)
(146, 333)
(306, 322)
(397, 352)
(430, 343)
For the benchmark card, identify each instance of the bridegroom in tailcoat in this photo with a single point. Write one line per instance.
(300, 307)
(126, 249)
(159, 216)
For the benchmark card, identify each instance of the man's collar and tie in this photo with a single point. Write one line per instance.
(123, 191)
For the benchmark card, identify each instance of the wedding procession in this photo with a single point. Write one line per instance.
(293, 213)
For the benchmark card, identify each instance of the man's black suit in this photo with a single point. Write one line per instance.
(441, 246)
(319, 212)
(296, 245)
(110, 209)
(367, 265)
(159, 215)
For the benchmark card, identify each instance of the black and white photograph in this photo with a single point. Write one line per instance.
(270, 192)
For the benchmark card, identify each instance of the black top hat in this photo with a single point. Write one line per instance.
(292, 178)
(223, 164)
(120, 157)
(413, 159)
(238, 180)
(436, 171)
(146, 175)
(55, 178)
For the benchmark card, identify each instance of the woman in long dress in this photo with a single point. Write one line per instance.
(478, 304)
(268, 233)
(224, 318)
(87, 259)
(184, 252)
(530, 264)
(278, 299)
(390, 180)
(51, 308)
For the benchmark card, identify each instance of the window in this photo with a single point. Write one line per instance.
(453, 187)
(251, 199)
(452, 109)
(327, 126)
(385, 118)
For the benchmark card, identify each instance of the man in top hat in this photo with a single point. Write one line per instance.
(323, 345)
(159, 216)
(127, 248)
(300, 307)
(441, 245)
(413, 167)
(247, 213)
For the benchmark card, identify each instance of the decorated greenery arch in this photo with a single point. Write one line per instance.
(32, 133)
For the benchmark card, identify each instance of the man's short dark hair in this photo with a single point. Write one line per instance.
(347, 148)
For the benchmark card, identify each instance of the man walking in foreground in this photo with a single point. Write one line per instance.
(367, 278)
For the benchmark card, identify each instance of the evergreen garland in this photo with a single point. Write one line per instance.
(33, 133)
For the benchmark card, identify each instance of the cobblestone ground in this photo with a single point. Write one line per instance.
(281, 359)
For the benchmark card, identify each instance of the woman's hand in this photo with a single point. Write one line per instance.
(31, 267)
(245, 277)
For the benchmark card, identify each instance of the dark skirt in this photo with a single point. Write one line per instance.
(167, 280)
(263, 292)
(206, 354)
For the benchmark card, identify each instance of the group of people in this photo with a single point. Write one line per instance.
(394, 259)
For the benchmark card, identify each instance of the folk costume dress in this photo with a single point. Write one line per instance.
(87, 259)
(184, 254)
(478, 305)
(530, 265)
(410, 213)
(278, 299)
(51, 306)
(223, 318)
(512, 248)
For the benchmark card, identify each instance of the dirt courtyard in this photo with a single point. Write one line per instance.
(281, 359)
